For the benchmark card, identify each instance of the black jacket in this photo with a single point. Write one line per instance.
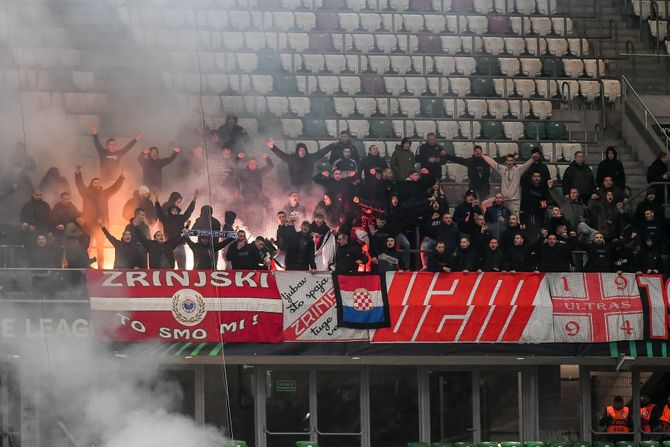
(204, 255)
(300, 253)
(161, 254)
(96, 201)
(126, 255)
(518, 258)
(207, 222)
(611, 168)
(36, 213)
(245, 258)
(346, 257)
(110, 162)
(427, 151)
(300, 168)
(172, 225)
(493, 260)
(580, 177)
(438, 261)
(478, 173)
(552, 259)
(464, 260)
(152, 170)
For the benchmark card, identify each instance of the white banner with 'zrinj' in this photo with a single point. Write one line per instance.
(310, 313)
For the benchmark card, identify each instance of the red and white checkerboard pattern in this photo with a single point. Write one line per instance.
(362, 300)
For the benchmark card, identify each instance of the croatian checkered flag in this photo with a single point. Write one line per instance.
(362, 302)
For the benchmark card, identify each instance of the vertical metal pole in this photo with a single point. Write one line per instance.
(424, 404)
(365, 407)
(476, 408)
(199, 391)
(585, 387)
(313, 414)
(259, 407)
(635, 377)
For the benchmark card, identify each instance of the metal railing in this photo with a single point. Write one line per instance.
(631, 99)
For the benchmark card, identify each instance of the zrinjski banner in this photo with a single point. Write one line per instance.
(467, 308)
(177, 306)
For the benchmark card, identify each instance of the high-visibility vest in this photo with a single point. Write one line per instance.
(619, 422)
(665, 417)
(645, 417)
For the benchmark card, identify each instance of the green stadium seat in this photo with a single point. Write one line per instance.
(581, 444)
(306, 444)
(488, 66)
(511, 444)
(535, 130)
(322, 106)
(315, 128)
(432, 108)
(234, 443)
(441, 444)
(493, 130)
(533, 444)
(560, 444)
(553, 68)
(489, 444)
(382, 129)
(603, 444)
(482, 87)
(650, 444)
(448, 146)
(666, 443)
(625, 444)
(555, 131)
(269, 61)
(417, 444)
(285, 84)
(464, 444)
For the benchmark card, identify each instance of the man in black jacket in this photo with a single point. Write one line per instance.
(478, 171)
(110, 156)
(439, 259)
(300, 163)
(300, 253)
(240, 254)
(232, 135)
(580, 176)
(36, 213)
(658, 173)
(431, 156)
(173, 223)
(205, 252)
(161, 252)
(125, 252)
(152, 167)
(552, 255)
(349, 255)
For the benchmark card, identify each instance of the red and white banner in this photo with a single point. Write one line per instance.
(595, 307)
(655, 293)
(310, 313)
(467, 308)
(171, 305)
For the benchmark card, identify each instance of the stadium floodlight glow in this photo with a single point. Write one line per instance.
(624, 363)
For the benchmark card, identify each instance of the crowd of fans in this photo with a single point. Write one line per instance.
(385, 214)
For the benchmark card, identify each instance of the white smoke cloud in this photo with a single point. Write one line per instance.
(86, 393)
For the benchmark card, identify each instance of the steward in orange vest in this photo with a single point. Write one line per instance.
(664, 420)
(646, 413)
(617, 417)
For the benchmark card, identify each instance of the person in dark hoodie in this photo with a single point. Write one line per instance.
(173, 223)
(388, 258)
(110, 156)
(611, 166)
(336, 148)
(206, 221)
(152, 167)
(125, 252)
(228, 220)
(161, 252)
(658, 173)
(466, 211)
(251, 180)
(36, 213)
(649, 258)
(580, 176)
(650, 202)
(53, 185)
(478, 171)
(175, 199)
(205, 251)
(232, 135)
(300, 163)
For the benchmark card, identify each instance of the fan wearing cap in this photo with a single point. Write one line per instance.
(511, 179)
(466, 211)
(402, 160)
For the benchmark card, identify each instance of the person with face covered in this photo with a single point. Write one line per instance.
(300, 163)
(110, 156)
(173, 223)
(126, 255)
(152, 166)
(206, 221)
(232, 135)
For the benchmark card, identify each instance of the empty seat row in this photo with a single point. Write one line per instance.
(324, 43)
(48, 57)
(297, 22)
(75, 103)
(290, 85)
(448, 130)
(48, 80)
(431, 108)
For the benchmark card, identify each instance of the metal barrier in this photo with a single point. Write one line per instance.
(631, 99)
